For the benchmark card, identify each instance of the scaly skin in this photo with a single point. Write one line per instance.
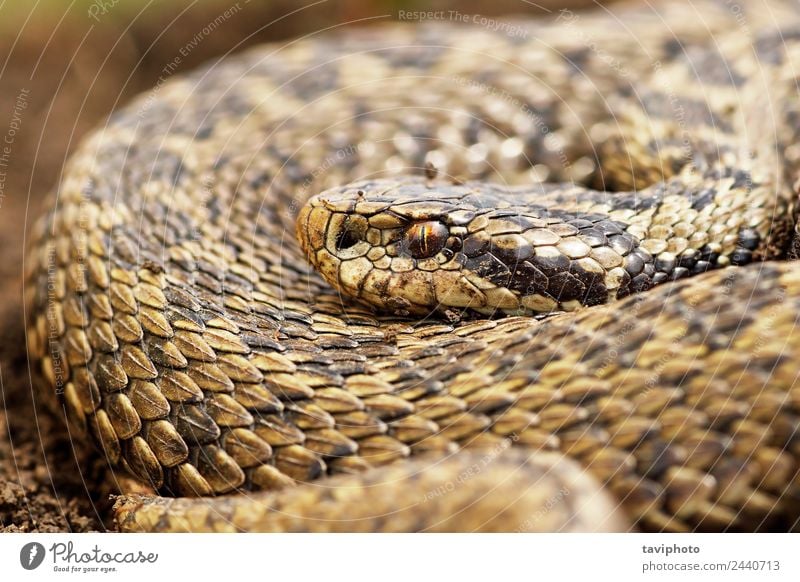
(175, 318)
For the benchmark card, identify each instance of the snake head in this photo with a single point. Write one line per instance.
(393, 244)
(415, 246)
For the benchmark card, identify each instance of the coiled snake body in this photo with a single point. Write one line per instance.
(606, 303)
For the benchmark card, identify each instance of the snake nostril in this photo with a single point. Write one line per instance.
(353, 232)
(347, 239)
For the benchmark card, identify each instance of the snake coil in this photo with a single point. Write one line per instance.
(635, 192)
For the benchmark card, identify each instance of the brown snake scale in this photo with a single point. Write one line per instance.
(643, 165)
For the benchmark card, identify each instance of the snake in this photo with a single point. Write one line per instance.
(442, 276)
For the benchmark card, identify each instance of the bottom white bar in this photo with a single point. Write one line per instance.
(399, 557)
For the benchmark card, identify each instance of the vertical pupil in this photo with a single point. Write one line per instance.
(425, 239)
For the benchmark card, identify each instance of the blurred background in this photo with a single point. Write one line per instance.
(64, 66)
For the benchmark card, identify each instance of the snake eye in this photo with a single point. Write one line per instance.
(425, 239)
